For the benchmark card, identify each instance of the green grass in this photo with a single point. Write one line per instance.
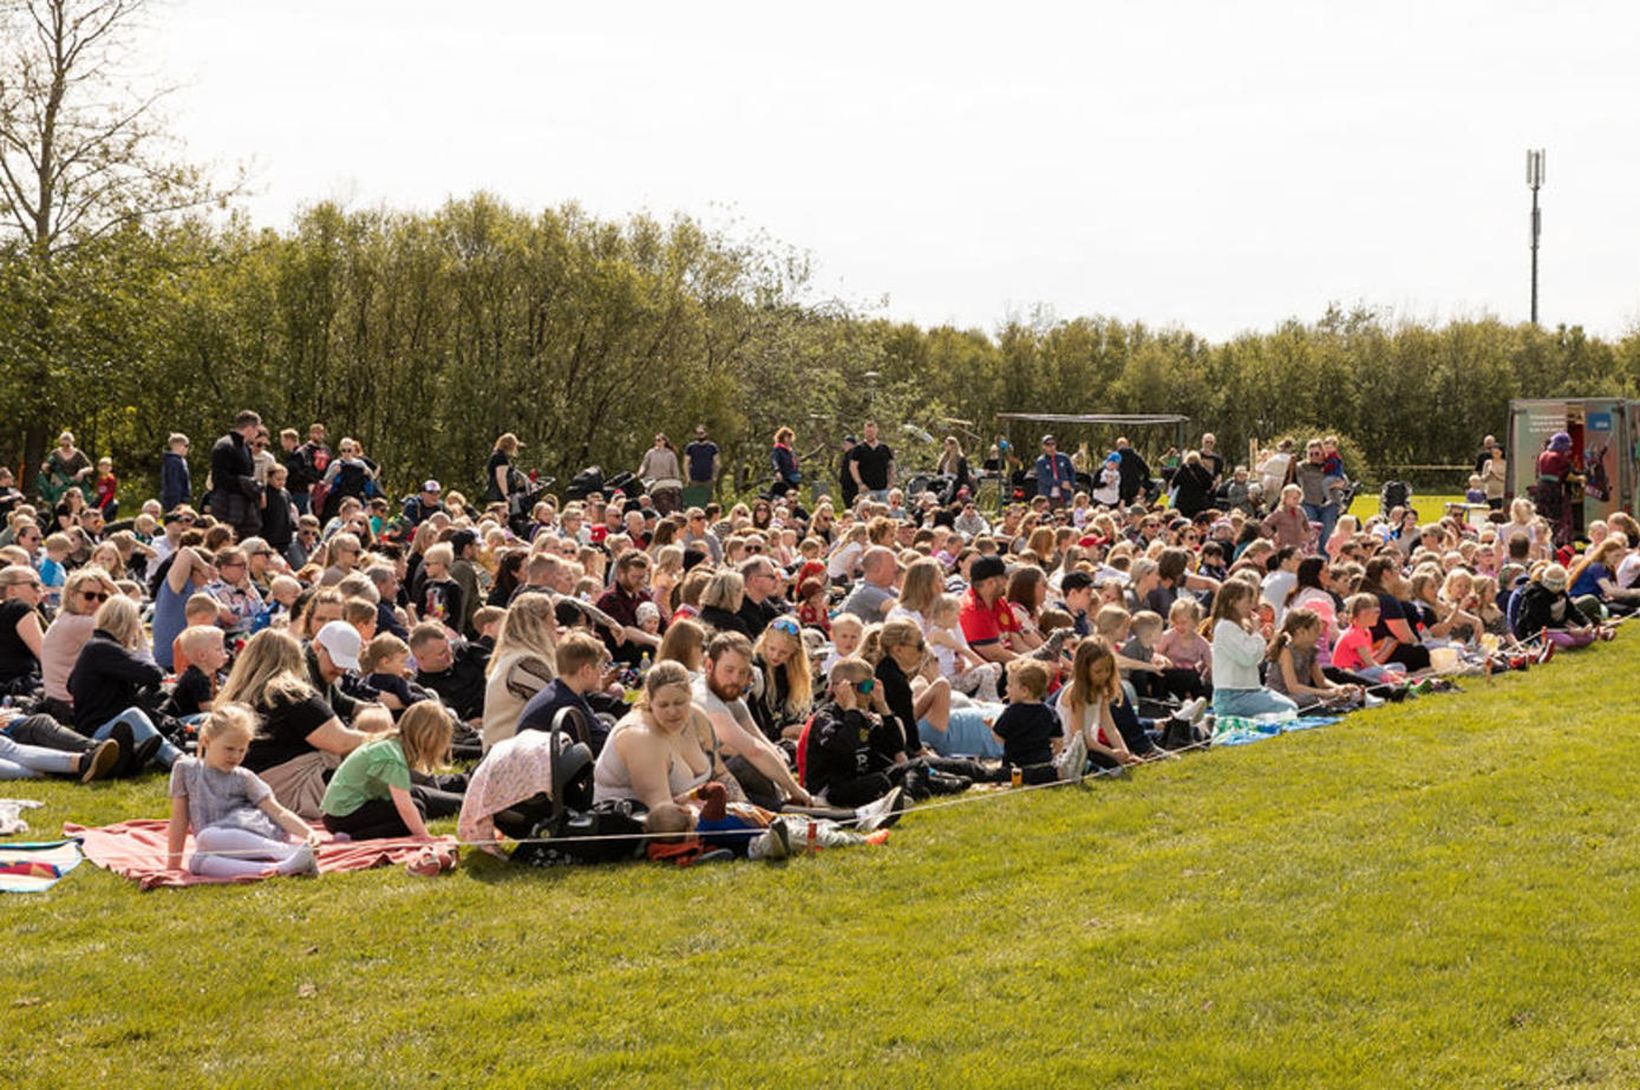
(1441, 894)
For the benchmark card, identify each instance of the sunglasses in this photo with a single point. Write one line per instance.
(94, 595)
(786, 625)
(865, 687)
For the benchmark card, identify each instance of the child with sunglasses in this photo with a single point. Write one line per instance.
(852, 743)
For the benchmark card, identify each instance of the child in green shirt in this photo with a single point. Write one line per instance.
(371, 794)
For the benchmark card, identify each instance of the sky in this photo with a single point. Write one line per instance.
(1220, 167)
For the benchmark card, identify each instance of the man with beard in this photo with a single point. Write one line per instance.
(754, 760)
(621, 602)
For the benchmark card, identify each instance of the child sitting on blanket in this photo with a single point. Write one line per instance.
(230, 810)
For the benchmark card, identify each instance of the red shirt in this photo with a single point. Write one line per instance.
(982, 624)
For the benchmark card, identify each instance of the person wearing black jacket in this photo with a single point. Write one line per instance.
(307, 464)
(1135, 472)
(1193, 486)
(851, 748)
(107, 683)
(236, 498)
(1546, 608)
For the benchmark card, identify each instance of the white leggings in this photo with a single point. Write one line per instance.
(252, 854)
(980, 682)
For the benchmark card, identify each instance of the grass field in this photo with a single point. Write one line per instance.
(1439, 894)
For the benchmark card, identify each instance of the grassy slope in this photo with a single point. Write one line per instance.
(1436, 895)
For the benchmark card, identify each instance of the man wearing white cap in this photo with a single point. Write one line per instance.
(333, 652)
(429, 500)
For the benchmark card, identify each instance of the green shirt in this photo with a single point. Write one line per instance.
(367, 774)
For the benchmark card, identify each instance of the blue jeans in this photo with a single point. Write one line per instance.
(20, 762)
(1327, 515)
(142, 729)
(966, 733)
(303, 502)
(1250, 703)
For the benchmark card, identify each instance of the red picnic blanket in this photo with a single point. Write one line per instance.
(136, 850)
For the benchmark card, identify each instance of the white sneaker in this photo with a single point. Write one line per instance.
(771, 844)
(880, 814)
(1074, 759)
(1192, 712)
(1372, 701)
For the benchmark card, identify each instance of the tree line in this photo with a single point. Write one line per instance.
(426, 335)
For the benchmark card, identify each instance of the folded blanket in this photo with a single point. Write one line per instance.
(136, 850)
(33, 868)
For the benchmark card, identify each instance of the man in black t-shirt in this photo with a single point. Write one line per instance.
(701, 460)
(455, 671)
(872, 465)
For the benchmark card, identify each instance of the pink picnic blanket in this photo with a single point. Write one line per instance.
(136, 850)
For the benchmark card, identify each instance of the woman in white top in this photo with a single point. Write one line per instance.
(662, 750)
(1238, 650)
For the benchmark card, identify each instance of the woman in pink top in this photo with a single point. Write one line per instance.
(83, 592)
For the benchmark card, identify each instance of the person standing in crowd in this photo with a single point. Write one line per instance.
(703, 464)
(236, 498)
(1055, 477)
(500, 479)
(65, 467)
(1485, 455)
(424, 504)
(872, 465)
(1135, 472)
(1319, 503)
(786, 474)
(953, 463)
(175, 484)
(848, 487)
(307, 465)
(1554, 477)
(1212, 460)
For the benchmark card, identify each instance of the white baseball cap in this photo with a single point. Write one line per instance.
(341, 642)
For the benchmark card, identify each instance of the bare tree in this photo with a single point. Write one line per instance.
(82, 152)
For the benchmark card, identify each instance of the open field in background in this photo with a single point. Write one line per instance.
(1439, 894)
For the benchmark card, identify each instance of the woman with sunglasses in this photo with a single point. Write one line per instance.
(21, 592)
(783, 703)
(85, 591)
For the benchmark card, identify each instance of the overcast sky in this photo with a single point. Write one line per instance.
(1218, 166)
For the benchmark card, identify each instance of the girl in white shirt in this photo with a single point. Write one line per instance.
(1238, 650)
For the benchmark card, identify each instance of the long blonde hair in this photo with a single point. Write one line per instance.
(424, 732)
(799, 678)
(924, 583)
(119, 618)
(530, 626)
(270, 667)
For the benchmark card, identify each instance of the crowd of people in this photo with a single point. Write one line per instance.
(299, 653)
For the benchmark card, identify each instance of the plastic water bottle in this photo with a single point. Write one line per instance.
(644, 664)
